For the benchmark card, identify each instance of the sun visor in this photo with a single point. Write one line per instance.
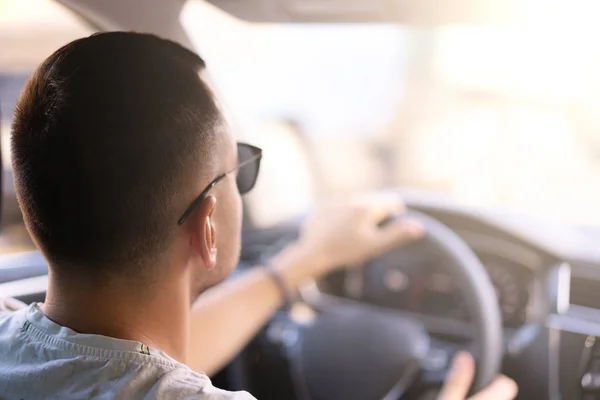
(405, 12)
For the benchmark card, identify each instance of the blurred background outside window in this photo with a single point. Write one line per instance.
(492, 116)
(30, 30)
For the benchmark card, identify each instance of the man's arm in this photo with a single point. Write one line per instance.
(227, 316)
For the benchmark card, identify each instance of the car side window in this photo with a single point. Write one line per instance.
(30, 30)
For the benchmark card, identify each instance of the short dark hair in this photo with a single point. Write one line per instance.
(108, 133)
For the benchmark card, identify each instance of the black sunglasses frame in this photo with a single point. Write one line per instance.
(256, 157)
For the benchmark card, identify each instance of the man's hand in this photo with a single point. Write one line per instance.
(461, 377)
(346, 233)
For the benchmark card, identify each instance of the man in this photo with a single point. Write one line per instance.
(129, 181)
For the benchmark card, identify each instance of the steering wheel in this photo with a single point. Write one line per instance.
(358, 351)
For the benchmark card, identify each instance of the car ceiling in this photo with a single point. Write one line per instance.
(408, 12)
(162, 16)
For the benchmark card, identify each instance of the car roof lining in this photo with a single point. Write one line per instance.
(162, 16)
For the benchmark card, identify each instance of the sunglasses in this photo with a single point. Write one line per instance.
(247, 171)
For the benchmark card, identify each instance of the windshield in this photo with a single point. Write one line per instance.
(492, 116)
(501, 117)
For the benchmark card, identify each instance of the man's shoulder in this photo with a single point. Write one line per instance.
(116, 378)
(182, 383)
(89, 365)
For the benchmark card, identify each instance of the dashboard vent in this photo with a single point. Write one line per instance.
(585, 292)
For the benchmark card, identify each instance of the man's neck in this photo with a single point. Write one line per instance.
(159, 320)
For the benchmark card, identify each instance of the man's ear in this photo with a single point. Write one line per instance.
(204, 239)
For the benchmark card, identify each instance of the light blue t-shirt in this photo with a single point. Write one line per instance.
(40, 359)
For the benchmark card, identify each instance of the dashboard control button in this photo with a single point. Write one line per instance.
(591, 382)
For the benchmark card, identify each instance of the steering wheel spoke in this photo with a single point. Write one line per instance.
(435, 326)
(364, 349)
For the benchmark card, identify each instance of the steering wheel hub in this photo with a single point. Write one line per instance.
(360, 352)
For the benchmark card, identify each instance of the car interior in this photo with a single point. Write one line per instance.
(480, 114)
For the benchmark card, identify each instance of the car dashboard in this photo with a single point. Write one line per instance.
(547, 288)
(416, 282)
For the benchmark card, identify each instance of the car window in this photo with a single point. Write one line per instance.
(495, 116)
(502, 117)
(30, 30)
(281, 81)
